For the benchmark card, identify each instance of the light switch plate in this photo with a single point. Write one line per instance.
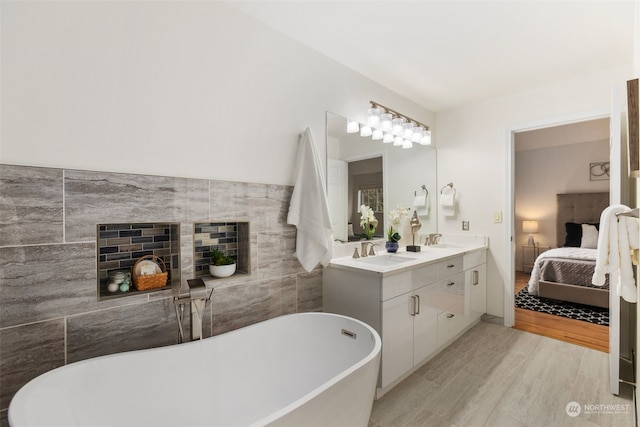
(497, 216)
(465, 225)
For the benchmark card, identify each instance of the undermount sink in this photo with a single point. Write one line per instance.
(386, 260)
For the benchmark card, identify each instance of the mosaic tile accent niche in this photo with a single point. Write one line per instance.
(121, 245)
(229, 237)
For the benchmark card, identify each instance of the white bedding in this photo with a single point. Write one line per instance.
(562, 253)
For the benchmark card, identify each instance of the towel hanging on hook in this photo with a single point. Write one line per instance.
(421, 202)
(448, 200)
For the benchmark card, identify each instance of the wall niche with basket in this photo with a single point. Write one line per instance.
(135, 258)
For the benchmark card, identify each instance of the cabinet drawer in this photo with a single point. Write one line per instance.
(424, 275)
(450, 324)
(395, 285)
(446, 294)
(474, 258)
(449, 267)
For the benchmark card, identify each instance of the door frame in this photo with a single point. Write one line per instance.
(509, 230)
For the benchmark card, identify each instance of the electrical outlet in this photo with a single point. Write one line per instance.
(497, 216)
(465, 225)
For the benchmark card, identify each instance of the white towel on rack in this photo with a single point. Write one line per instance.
(422, 205)
(309, 209)
(448, 201)
(618, 236)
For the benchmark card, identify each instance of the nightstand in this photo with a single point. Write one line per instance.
(529, 255)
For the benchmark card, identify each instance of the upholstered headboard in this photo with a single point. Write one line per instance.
(580, 208)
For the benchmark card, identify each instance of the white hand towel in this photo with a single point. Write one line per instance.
(447, 200)
(422, 205)
(448, 203)
(309, 209)
(613, 254)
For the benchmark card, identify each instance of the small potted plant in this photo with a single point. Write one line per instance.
(395, 216)
(222, 265)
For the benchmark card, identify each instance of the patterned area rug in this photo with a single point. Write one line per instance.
(586, 313)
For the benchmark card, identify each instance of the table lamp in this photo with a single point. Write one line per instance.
(530, 227)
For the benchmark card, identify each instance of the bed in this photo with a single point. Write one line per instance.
(564, 273)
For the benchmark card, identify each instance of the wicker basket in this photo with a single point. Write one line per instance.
(149, 281)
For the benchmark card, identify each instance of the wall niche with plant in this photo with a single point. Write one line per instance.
(221, 243)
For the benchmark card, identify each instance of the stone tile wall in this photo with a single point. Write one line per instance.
(49, 311)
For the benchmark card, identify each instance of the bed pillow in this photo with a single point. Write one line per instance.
(574, 234)
(589, 236)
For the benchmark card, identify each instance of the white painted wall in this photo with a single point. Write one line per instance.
(473, 148)
(194, 89)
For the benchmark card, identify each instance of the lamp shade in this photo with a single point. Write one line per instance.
(530, 226)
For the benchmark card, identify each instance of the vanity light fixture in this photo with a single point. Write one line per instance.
(388, 125)
(391, 126)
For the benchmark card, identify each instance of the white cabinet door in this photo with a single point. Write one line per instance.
(397, 337)
(476, 291)
(425, 326)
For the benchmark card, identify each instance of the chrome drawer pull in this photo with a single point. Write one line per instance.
(451, 283)
(451, 265)
(475, 277)
(450, 315)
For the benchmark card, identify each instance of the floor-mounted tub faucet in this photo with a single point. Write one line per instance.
(197, 301)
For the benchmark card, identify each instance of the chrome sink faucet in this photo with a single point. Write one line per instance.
(433, 239)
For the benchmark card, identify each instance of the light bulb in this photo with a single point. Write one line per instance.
(377, 134)
(352, 126)
(407, 144)
(397, 126)
(365, 130)
(416, 136)
(426, 138)
(388, 138)
(407, 130)
(398, 141)
(373, 118)
(385, 122)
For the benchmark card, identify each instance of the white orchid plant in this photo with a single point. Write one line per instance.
(368, 221)
(395, 216)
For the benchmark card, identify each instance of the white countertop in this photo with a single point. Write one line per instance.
(384, 263)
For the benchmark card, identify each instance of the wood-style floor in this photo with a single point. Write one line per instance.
(574, 331)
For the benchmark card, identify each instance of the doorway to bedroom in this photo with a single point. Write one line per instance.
(565, 159)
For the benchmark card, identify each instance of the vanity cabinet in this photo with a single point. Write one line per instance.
(417, 311)
(408, 324)
(475, 270)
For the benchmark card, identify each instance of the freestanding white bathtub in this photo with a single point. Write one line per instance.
(309, 369)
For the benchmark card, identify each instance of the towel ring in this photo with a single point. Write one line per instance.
(450, 185)
(426, 192)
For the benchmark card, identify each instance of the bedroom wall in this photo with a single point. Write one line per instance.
(540, 174)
